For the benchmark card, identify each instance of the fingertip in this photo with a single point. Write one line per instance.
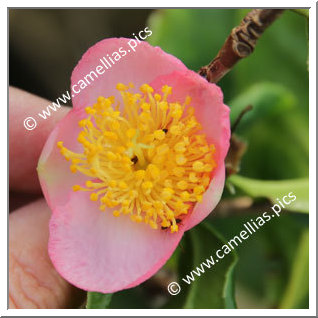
(25, 145)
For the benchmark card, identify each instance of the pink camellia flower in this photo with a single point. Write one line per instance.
(144, 146)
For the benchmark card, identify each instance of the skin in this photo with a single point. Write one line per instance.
(33, 281)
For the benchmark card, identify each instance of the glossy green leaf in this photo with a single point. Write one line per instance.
(297, 291)
(276, 189)
(98, 300)
(276, 132)
(265, 259)
(215, 287)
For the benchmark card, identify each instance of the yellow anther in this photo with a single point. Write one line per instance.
(186, 140)
(140, 174)
(198, 189)
(153, 171)
(182, 185)
(178, 171)
(111, 156)
(76, 161)
(153, 224)
(94, 196)
(181, 160)
(109, 194)
(115, 125)
(60, 144)
(76, 187)
(163, 106)
(180, 147)
(208, 168)
(116, 213)
(122, 185)
(115, 114)
(165, 223)
(121, 87)
(100, 99)
(175, 130)
(174, 228)
(162, 149)
(130, 133)
(139, 218)
(168, 183)
(177, 113)
(158, 205)
(167, 193)
(198, 166)
(110, 135)
(185, 195)
(106, 103)
(126, 159)
(145, 88)
(112, 183)
(145, 106)
(133, 194)
(166, 89)
(159, 159)
(102, 207)
(90, 110)
(147, 185)
(179, 205)
(120, 149)
(157, 97)
(125, 210)
(159, 134)
(170, 214)
(89, 184)
(73, 168)
(192, 177)
(146, 205)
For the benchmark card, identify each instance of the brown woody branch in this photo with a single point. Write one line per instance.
(240, 43)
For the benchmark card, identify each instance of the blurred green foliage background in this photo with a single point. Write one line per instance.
(270, 270)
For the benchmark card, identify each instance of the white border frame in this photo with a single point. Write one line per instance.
(312, 166)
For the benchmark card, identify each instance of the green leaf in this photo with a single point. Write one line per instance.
(265, 259)
(297, 292)
(276, 189)
(98, 300)
(215, 287)
(276, 132)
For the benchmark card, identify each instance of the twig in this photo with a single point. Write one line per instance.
(240, 116)
(240, 43)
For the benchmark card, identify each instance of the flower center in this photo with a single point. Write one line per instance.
(149, 161)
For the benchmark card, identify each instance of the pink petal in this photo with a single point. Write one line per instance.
(96, 251)
(139, 67)
(207, 99)
(54, 171)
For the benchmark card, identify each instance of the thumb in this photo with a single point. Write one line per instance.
(33, 281)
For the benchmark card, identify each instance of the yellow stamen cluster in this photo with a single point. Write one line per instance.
(147, 161)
